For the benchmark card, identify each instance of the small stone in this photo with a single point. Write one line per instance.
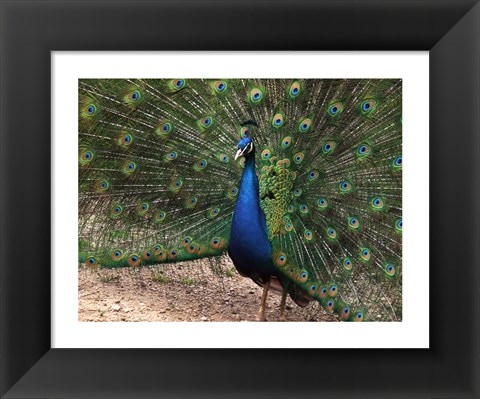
(203, 318)
(115, 308)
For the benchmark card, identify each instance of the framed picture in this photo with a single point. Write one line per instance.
(54, 212)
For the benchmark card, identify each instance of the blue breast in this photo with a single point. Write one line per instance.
(250, 248)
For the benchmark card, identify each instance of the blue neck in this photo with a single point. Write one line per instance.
(249, 193)
(250, 248)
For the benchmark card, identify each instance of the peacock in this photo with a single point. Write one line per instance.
(298, 180)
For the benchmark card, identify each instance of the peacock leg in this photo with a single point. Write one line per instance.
(261, 313)
(282, 305)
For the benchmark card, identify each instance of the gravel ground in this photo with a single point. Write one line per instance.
(184, 291)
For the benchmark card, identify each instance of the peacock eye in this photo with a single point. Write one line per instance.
(220, 86)
(179, 83)
(90, 109)
(326, 147)
(277, 120)
(368, 105)
(312, 175)
(362, 149)
(255, 95)
(134, 96)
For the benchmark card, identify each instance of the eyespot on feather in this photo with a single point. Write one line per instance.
(347, 264)
(160, 216)
(134, 260)
(328, 147)
(280, 259)
(365, 254)
(335, 109)
(92, 262)
(278, 120)
(256, 95)
(294, 90)
(367, 106)
(117, 254)
(220, 86)
(304, 125)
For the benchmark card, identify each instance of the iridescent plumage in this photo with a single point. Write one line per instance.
(159, 182)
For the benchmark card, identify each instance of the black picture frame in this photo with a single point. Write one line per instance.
(449, 30)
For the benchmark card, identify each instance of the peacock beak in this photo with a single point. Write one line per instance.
(239, 153)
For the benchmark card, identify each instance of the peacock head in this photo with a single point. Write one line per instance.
(245, 148)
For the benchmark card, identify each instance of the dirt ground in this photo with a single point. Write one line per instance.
(184, 291)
